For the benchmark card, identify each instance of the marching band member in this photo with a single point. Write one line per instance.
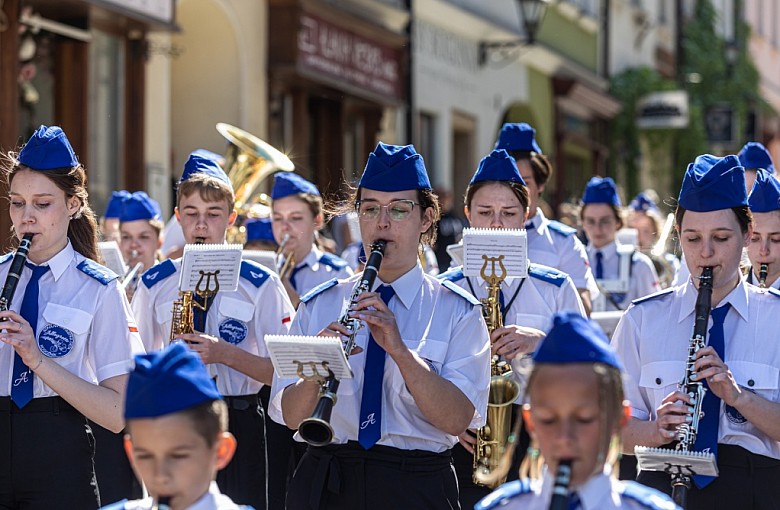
(236, 322)
(259, 234)
(754, 156)
(644, 217)
(109, 223)
(549, 242)
(420, 377)
(623, 273)
(140, 225)
(498, 198)
(741, 420)
(297, 218)
(764, 247)
(68, 339)
(575, 412)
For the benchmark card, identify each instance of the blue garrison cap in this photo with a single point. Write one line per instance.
(643, 203)
(199, 164)
(114, 207)
(288, 183)
(518, 137)
(209, 155)
(497, 166)
(139, 206)
(394, 168)
(259, 229)
(48, 148)
(712, 183)
(755, 155)
(167, 381)
(575, 339)
(601, 191)
(765, 196)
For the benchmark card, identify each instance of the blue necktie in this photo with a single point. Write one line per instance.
(599, 266)
(373, 375)
(198, 315)
(574, 501)
(293, 273)
(22, 387)
(529, 225)
(707, 437)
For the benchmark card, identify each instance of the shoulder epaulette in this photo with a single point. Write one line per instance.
(461, 292)
(100, 273)
(561, 228)
(453, 275)
(503, 494)
(319, 289)
(654, 295)
(547, 274)
(650, 498)
(158, 273)
(773, 291)
(5, 258)
(333, 261)
(254, 272)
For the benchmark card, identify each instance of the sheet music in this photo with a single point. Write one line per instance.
(288, 350)
(265, 258)
(512, 244)
(210, 258)
(112, 257)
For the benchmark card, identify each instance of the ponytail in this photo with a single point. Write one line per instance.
(82, 232)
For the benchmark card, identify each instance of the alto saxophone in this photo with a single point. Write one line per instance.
(504, 390)
(182, 315)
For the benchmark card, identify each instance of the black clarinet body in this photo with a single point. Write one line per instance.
(15, 273)
(560, 494)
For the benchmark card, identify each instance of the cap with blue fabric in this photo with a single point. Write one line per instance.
(259, 229)
(518, 137)
(168, 381)
(198, 164)
(288, 183)
(47, 149)
(114, 207)
(394, 168)
(218, 158)
(601, 191)
(755, 155)
(575, 339)
(712, 183)
(139, 206)
(497, 166)
(765, 196)
(643, 203)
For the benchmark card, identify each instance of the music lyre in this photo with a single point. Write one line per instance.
(205, 289)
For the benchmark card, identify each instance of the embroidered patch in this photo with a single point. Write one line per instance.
(55, 341)
(735, 416)
(232, 331)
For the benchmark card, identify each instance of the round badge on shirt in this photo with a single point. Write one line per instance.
(55, 341)
(232, 331)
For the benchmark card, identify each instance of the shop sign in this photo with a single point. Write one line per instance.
(663, 110)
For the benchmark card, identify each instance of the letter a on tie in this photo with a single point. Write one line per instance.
(370, 426)
(22, 378)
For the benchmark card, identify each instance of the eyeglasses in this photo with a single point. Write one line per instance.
(398, 210)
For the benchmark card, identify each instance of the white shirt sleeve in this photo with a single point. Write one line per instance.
(625, 340)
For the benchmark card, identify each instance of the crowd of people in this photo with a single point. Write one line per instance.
(107, 404)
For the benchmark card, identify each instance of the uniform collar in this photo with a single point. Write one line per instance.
(60, 262)
(208, 501)
(592, 494)
(737, 298)
(312, 258)
(407, 286)
(538, 221)
(608, 250)
(775, 284)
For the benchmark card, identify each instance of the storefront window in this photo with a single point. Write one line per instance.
(36, 80)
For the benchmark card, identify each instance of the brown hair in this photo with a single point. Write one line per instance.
(209, 419)
(210, 188)
(540, 165)
(615, 210)
(743, 214)
(520, 191)
(82, 228)
(314, 202)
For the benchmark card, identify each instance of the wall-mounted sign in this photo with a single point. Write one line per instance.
(719, 124)
(663, 110)
(161, 11)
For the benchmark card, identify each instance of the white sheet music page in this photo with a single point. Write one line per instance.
(112, 257)
(288, 352)
(512, 244)
(209, 264)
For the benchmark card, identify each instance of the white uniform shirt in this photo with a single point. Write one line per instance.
(643, 279)
(554, 244)
(599, 493)
(652, 340)
(212, 500)
(84, 322)
(444, 328)
(317, 268)
(258, 307)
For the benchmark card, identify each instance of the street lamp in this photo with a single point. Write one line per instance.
(531, 15)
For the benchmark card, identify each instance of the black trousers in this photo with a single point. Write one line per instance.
(46, 456)
(115, 477)
(244, 479)
(747, 481)
(382, 478)
(281, 461)
(470, 493)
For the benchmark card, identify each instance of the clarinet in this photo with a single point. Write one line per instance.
(14, 273)
(686, 433)
(163, 503)
(316, 430)
(560, 495)
(762, 274)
